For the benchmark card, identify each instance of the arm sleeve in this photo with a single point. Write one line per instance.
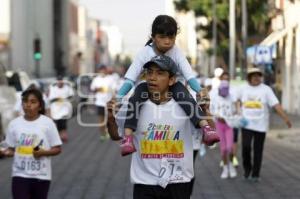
(136, 66)
(271, 98)
(183, 65)
(125, 88)
(93, 84)
(51, 93)
(52, 135)
(193, 83)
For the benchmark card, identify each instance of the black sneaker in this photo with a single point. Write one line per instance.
(255, 179)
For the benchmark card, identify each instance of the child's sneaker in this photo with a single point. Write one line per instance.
(235, 161)
(127, 146)
(232, 171)
(225, 172)
(210, 136)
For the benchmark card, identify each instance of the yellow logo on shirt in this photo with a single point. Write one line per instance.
(102, 89)
(253, 104)
(24, 150)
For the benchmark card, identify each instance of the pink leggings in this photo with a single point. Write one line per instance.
(226, 137)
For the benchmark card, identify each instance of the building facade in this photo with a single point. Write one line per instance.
(286, 38)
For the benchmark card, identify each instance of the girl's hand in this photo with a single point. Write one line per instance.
(38, 153)
(6, 153)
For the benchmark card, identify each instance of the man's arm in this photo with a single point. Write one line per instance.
(282, 114)
(111, 122)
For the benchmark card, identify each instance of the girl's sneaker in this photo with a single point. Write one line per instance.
(225, 172)
(127, 146)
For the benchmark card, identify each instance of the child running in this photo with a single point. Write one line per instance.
(222, 107)
(162, 42)
(32, 139)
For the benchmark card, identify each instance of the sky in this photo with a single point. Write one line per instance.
(133, 17)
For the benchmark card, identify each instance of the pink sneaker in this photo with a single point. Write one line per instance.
(127, 146)
(210, 136)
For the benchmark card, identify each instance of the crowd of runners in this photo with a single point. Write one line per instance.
(161, 113)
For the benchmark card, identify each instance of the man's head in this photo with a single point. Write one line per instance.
(60, 81)
(160, 74)
(254, 76)
(102, 69)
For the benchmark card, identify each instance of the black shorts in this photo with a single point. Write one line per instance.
(61, 124)
(172, 191)
(29, 188)
(101, 110)
(236, 135)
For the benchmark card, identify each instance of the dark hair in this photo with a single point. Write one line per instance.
(225, 73)
(38, 95)
(163, 24)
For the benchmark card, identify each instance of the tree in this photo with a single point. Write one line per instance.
(258, 21)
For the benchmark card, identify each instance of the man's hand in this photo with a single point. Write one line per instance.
(112, 108)
(288, 123)
(203, 98)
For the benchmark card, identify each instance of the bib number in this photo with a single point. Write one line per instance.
(171, 170)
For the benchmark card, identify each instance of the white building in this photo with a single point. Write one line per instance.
(286, 36)
(31, 19)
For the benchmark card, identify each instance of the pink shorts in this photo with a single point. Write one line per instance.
(226, 137)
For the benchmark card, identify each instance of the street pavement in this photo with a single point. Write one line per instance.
(91, 169)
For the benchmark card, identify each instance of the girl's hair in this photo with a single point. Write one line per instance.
(163, 24)
(38, 95)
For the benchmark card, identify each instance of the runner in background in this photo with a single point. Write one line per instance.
(60, 96)
(256, 98)
(102, 87)
(223, 109)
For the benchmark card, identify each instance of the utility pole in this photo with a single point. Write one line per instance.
(232, 39)
(244, 39)
(214, 39)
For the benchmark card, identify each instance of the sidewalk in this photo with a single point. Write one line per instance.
(280, 133)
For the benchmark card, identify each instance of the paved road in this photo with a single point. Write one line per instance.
(90, 169)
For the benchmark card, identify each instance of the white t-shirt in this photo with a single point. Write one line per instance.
(256, 101)
(145, 55)
(24, 135)
(164, 145)
(223, 107)
(61, 109)
(103, 87)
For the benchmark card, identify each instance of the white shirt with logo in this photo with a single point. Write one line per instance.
(256, 101)
(145, 55)
(163, 140)
(103, 86)
(61, 109)
(223, 107)
(23, 136)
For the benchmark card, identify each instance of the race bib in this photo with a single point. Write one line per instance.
(30, 166)
(171, 170)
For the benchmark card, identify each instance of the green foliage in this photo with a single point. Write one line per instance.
(258, 21)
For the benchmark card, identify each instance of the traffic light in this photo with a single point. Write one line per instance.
(37, 54)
